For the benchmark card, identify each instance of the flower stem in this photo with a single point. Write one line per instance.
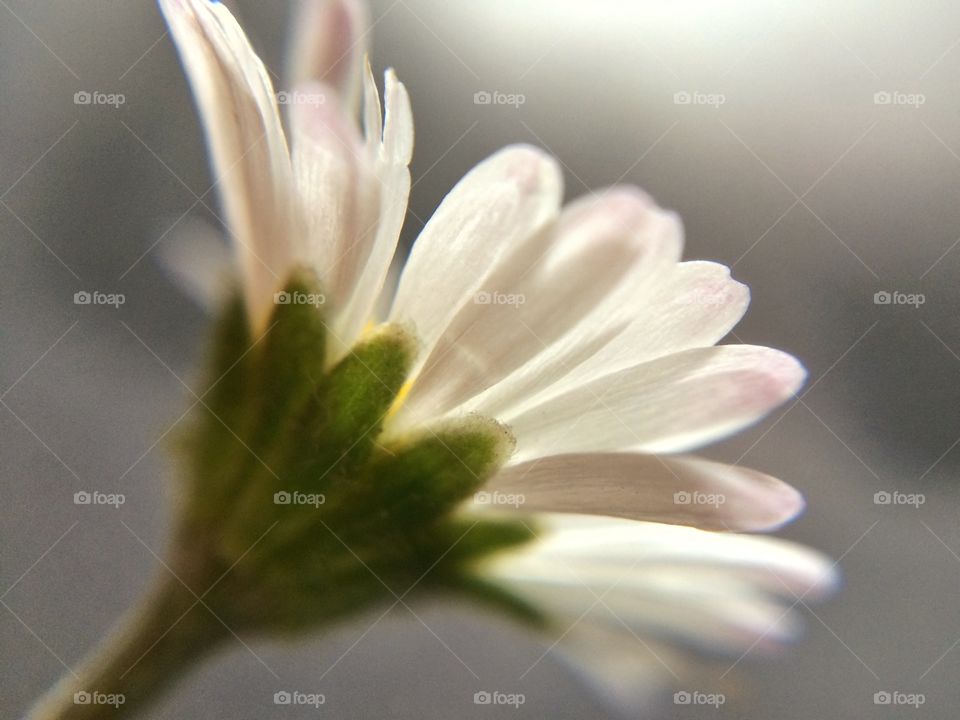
(156, 644)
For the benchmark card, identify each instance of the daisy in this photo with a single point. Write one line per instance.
(576, 327)
(548, 359)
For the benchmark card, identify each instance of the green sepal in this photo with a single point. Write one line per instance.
(286, 392)
(499, 599)
(419, 479)
(208, 443)
(361, 388)
(473, 536)
(228, 366)
(385, 508)
(255, 428)
(323, 446)
(336, 437)
(290, 365)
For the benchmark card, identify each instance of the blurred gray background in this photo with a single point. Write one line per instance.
(785, 164)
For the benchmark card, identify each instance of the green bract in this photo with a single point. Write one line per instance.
(295, 504)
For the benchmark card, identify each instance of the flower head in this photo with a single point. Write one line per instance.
(557, 356)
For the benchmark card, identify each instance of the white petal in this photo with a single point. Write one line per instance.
(600, 247)
(720, 591)
(248, 148)
(198, 260)
(338, 189)
(667, 405)
(391, 163)
(381, 307)
(627, 671)
(692, 304)
(398, 123)
(695, 305)
(372, 110)
(488, 219)
(329, 44)
(726, 614)
(591, 542)
(354, 194)
(676, 490)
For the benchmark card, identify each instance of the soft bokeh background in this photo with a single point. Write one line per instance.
(785, 165)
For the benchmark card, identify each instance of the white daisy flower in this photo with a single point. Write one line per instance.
(576, 329)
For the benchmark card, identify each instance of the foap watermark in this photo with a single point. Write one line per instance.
(895, 97)
(285, 97)
(499, 298)
(895, 697)
(299, 298)
(495, 697)
(695, 697)
(83, 697)
(114, 300)
(295, 697)
(683, 497)
(899, 498)
(499, 498)
(114, 100)
(486, 97)
(298, 498)
(885, 297)
(695, 97)
(99, 498)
